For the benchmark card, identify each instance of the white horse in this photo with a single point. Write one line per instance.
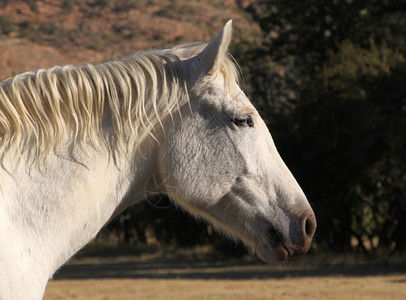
(80, 144)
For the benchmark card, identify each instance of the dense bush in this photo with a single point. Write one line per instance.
(342, 133)
(348, 127)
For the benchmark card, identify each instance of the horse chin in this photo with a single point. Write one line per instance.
(276, 254)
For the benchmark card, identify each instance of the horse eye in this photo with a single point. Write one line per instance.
(243, 121)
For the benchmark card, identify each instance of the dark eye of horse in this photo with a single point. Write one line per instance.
(243, 121)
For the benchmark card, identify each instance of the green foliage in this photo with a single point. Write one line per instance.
(310, 29)
(342, 132)
(299, 36)
(346, 121)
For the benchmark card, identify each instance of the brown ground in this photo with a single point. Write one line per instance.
(191, 276)
(44, 33)
(333, 287)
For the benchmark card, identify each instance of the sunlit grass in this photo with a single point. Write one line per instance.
(199, 274)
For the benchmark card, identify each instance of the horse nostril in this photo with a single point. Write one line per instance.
(309, 227)
(300, 242)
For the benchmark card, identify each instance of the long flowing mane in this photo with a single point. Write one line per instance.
(40, 110)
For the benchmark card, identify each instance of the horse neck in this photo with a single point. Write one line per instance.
(55, 211)
(48, 213)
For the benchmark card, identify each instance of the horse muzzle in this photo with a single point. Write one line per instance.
(278, 248)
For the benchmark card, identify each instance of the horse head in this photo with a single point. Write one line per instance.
(223, 164)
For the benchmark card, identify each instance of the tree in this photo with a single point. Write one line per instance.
(342, 130)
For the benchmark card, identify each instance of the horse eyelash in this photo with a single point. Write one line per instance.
(244, 120)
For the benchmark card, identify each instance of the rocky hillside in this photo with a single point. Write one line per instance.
(39, 34)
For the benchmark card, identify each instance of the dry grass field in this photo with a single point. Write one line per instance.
(191, 276)
(331, 287)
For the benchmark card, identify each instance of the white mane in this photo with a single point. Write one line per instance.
(40, 110)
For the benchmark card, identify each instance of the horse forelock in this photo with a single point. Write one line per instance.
(43, 109)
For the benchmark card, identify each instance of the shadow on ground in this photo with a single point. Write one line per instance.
(140, 267)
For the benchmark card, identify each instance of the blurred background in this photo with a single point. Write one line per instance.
(328, 77)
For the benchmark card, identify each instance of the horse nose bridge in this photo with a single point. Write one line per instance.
(277, 176)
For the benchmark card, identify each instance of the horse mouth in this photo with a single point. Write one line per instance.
(271, 254)
(275, 239)
(275, 249)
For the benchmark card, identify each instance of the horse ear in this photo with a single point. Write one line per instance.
(213, 55)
